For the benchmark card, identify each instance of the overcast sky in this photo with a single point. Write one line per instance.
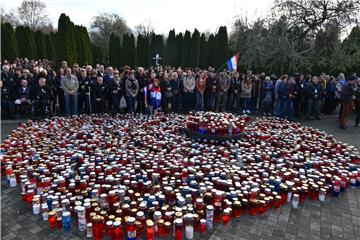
(163, 14)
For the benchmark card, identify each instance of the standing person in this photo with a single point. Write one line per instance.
(200, 89)
(342, 82)
(221, 98)
(7, 107)
(314, 94)
(256, 90)
(357, 103)
(84, 88)
(155, 97)
(59, 100)
(7, 78)
(330, 96)
(277, 109)
(283, 99)
(70, 85)
(175, 89)
(131, 91)
(41, 96)
(347, 101)
(234, 93)
(99, 96)
(189, 88)
(212, 87)
(246, 88)
(116, 93)
(292, 95)
(299, 97)
(165, 86)
(267, 92)
(108, 77)
(142, 99)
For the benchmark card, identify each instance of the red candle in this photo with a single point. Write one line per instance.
(203, 225)
(150, 231)
(52, 219)
(178, 229)
(118, 233)
(236, 209)
(226, 216)
(277, 201)
(131, 228)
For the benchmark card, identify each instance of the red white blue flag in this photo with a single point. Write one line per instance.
(233, 62)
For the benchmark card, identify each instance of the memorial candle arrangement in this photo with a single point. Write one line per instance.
(221, 124)
(124, 177)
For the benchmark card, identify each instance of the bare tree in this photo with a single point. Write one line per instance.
(103, 25)
(9, 17)
(30, 13)
(310, 15)
(145, 28)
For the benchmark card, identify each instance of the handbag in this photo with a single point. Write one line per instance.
(123, 103)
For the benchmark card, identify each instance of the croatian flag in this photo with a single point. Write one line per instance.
(233, 62)
(145, 95)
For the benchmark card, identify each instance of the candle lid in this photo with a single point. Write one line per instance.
(149, 223)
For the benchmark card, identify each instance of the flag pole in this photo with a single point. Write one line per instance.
(221, 67)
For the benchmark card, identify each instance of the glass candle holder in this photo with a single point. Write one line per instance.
(189, 226)
(322, 194)
(209, 216)
(202, 228)
(178, 229)
(150, 231)
(226, 216)
(295, 200)
(52, 219)
(89, 230)
(167, 229)
(45, 211)
(66, 221)
(131, 228)
(277, 201)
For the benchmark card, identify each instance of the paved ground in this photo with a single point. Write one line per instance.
(338, 218)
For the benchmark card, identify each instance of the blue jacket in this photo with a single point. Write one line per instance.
(283, 91)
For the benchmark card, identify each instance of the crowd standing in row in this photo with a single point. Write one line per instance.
(35, 88)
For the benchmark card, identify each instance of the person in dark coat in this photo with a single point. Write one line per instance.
(23, 99)
(58, 92)
(7, 107)
(234, 93)
(99, 96)
(330, 96)
(299, 106)
(84, 92)
(357, 103)
(212, 88)
(314, 93)
(348, 95)
(41, 96)
(116, 91)
(267, 96)
(142, 80)
(7, 78)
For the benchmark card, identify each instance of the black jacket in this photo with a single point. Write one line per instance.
(41, 93)
(100, 91)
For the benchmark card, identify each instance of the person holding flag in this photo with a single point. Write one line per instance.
(155, 97)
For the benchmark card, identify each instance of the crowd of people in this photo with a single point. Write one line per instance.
(34, 88)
